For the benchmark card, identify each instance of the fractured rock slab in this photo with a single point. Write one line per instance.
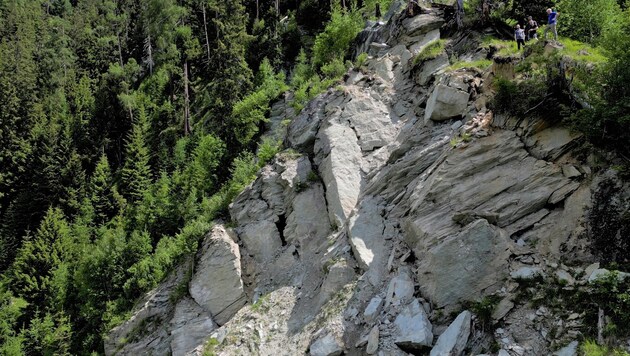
(415, 331)
(216, 284)
(453, 341)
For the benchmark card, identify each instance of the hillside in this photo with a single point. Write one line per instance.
(403, 216)
(275, 177)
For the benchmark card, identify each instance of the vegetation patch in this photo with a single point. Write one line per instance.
(431, 51)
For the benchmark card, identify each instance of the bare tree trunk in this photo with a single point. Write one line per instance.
(205, 27)
(277, 7)
(186, 101)
(257, 10)
(119, 50)
(601, 321)
(150, 54)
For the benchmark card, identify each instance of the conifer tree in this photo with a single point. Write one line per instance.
(33, 272)
(102, 192)
(136, 173)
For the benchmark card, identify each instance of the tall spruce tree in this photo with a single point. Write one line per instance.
(33, 274)
(103, 192)
(136, 173)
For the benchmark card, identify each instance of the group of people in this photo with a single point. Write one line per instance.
(531, 29)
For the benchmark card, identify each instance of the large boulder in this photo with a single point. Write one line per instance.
(421, 24)
(340, 168)
(415, 332)
(446, 103)
(216, 284)
(430, 67)
(453, 341)
(465, 266)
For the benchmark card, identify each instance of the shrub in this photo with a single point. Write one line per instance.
(524, 98)
(334, 41)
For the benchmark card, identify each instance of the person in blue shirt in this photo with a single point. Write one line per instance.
(552, 21)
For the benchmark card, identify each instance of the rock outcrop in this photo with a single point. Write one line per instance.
(401, 199)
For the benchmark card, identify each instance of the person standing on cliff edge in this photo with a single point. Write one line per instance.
(552, 21)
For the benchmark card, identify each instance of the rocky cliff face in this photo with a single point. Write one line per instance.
(400, 200)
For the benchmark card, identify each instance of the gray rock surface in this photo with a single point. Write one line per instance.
(481, 250)
(570, 350)
(452, 342)
(430, 67)
(190, 327)
(326, 346)
(262, 238)
(365, 230)
(373, 309)
(446, 103)
(415, 331)
(216, 284)
(372, 344)
(340, 170)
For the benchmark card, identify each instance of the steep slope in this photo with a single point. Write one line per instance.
(379, 223)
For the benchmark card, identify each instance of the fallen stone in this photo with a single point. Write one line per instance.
(414, 328)
(566, 277)
(326, 346)
(372, 345)
(340, 169)
(453, 341)
(570, 171)
(384, 69)
(400, 289)
(373, 309)
(339, 274)
(602, 273)
(589, 270)
(501, 310)
(446, 103)
(569, 350)
(480, 249)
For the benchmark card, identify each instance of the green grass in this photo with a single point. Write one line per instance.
(590, 348)
(505, 48)
(431, 51)
(481, 64)
(581, 52)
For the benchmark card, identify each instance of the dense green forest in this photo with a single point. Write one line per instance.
(127, 127)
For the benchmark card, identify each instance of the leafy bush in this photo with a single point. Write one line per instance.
(587, 20)
(334, 41)
(360, 61)
(607, 122)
